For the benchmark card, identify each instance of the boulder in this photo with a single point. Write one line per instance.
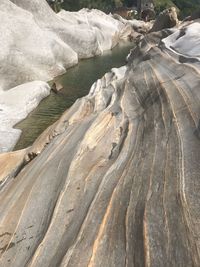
(166, 19)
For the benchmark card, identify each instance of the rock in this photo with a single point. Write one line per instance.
(116, 180)
(28, 50)
(56, 87)
(185, 42)
(92, 31)
(15, 105)
(11, 163)
(38, 44)
(166, 19)
(139, 26)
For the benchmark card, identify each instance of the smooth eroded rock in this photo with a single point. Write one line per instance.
(115, 182)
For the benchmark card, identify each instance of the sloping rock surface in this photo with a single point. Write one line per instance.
(185, 42)
(116, 180)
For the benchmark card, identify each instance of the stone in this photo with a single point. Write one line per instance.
(138, 26)
(185, 41)
(56, 87)
(38, 44)
(29, 51)
(148, 14)
(115, 181)
(11, 163)
(166, 19)
(15, 105)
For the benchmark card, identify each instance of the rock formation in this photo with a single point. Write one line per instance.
(138, 26)
(166, 19)
(38, 44)
(185, 42)
(115, 182)
(15, 105)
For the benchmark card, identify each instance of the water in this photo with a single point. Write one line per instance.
(76, 82)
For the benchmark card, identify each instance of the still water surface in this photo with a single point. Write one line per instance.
(76, 83)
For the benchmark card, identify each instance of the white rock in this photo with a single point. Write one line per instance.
(38, 44)
(185, 41)
(137, 25)
(15, 105)
(29, 52)
(93, 31)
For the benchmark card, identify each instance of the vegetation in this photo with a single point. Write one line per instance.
(74, 5)
(186, 7)
(105, 5)
(160, 5)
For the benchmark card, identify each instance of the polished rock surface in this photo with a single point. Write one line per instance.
(115, 182)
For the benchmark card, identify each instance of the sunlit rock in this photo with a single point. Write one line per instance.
(38, 44)
(29, 52)
(138, 26)
(92, 31)
(15, 105)
(185, 41)
(114, 182)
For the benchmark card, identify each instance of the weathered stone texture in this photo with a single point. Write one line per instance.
(116, 180)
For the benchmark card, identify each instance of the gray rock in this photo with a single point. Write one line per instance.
(166, 19)
(115, 182)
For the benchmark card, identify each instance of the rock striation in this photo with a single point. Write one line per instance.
(115, 182)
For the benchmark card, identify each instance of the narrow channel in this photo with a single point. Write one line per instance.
(76, 83)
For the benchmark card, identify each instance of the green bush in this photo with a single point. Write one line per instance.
(160, 5)
(186, 7)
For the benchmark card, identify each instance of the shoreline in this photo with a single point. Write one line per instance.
(88, 70)
(59, 48)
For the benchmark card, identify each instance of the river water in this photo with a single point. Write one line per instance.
(76, 83)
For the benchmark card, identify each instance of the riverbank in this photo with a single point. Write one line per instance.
(41, 46)
(76, 84)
